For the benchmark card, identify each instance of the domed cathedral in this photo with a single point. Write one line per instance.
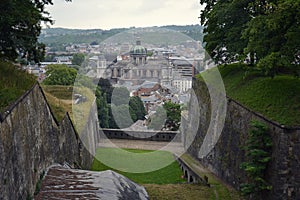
(138, 53)
(137, 68)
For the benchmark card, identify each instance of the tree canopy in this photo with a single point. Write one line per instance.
(256, 31)
(20, 26)
(78, 59)
(166, 117)
(122, 111)
(60, 75)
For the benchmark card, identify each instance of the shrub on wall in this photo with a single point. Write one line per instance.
(258, 154)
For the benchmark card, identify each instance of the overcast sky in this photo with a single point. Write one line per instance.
(107, 14)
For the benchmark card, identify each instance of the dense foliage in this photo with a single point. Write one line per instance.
(263, 32)
(166, 117)
(102, 107)
(258, 152)
(116, 109)
(60, 75)
(78, 59)
(106, 87)
(20, 26)
(137, 107)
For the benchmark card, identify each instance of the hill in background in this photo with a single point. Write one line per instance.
(60, 36)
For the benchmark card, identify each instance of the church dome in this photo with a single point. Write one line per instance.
(138, 49)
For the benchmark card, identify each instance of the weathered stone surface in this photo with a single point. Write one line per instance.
(32, 140)
(225, 158)
(62, 183)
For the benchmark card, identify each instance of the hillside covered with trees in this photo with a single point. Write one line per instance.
(57, 37)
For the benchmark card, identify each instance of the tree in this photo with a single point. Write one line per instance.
(121, 115)
(60, 75)
(173, 115)
(224, 22)
(272, 32)
(120, 96)
(262, 30)
(78, 59)
(137, 108)
(106, 87)
(20, 26)
(157, 121)
(166, 117)
(102, 108)
(111, 121)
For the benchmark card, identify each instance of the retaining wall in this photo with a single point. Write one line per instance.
(225, 158)
(162, 136)
(31, 140)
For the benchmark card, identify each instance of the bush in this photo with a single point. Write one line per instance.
(60, 75)
(258, 153)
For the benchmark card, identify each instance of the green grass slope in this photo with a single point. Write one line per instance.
(13, 83)
(277, 99)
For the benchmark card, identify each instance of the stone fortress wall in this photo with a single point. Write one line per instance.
(225, 158)
(147, 135)
(31, 140)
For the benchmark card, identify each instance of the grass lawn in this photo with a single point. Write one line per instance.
(146, 159)
(13, 83)
(277, 99)
(180, 192)
(165, 183)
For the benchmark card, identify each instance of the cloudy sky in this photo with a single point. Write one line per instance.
(107, 14)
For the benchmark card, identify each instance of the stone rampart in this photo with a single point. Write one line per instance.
(225, 158)
(31, 140)
(159, 136)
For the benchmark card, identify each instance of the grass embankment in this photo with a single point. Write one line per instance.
(218, 188)
(14, 82)
(60, 100)
(179, 192)
(277, 99)
(165, 183)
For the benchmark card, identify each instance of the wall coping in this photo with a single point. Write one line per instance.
(263, 117)
(277, 124)
(140, 131)
(10, 109)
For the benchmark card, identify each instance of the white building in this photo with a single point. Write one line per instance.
(182, 84)
(99, 63)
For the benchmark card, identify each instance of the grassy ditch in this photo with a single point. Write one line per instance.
(167, 182)
(167, 175)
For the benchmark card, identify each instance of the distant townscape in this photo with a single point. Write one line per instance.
(155, 64)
